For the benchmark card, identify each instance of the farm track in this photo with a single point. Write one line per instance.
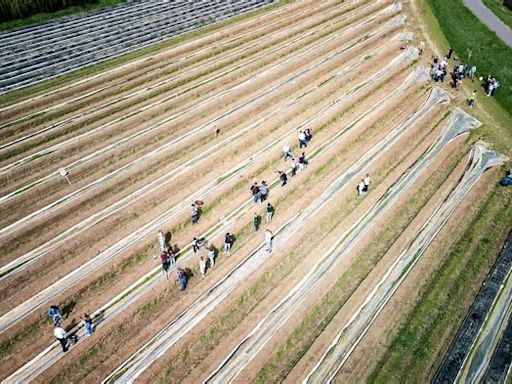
(140, 144)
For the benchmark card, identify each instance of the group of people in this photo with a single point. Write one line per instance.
(491, 86)
(60, 333)
(259, 192)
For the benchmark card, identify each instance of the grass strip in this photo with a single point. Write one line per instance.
(503, 13)
(298, 343)
(468, 36)
(443, 302)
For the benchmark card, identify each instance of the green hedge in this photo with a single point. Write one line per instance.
(466, 33)
(19, 9)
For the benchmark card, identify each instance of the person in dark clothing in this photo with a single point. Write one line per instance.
(255, 191)
(182, 278)
(196, 244)
(263, 191)
(256, 221)
(166, 264)
(228, 242)
(283, 178)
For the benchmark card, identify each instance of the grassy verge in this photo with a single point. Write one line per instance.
(46, 16)
(110, 63)
(467, 34)
(500, 10)
(297, 344)
(446, 297)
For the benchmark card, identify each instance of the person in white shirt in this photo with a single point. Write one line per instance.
(60, 334)
(211, 256)
(360, 188)
(293, 168)
(268, 240)
(202, 266)
(366, 182)
(302, 140)
(161, 241)
(287, 152)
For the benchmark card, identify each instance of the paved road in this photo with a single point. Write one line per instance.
(38, 52)
(491, 20)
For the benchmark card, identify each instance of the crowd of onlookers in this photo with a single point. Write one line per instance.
(439, 71)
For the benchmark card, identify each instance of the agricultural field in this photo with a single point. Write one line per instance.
(355, 287)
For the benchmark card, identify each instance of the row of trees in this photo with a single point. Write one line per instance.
(18, 9)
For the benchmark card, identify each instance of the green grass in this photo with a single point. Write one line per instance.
(46, 16)
(499, 10)
(445, 299)
(466, 33)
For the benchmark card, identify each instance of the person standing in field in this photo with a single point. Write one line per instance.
(471, 101)
(268, 240)
(287, 152)
(270, 212)
(182, 278)
(228, 242)
(164, 258)
(54, 314)
(202, 266)
(256, 221)
(60, 334)
(303, 162)
(161, 240)
(293, 168)
(283, 178)
(194, 213)
(196, 244)
(302, 140)
(88, 324)
(360, 188)
(211, 256)
(263, 191)
(255, 191)
(366, 182)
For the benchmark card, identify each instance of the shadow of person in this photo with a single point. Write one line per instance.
(68, 308)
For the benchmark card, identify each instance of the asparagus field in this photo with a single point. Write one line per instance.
(365, 169)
